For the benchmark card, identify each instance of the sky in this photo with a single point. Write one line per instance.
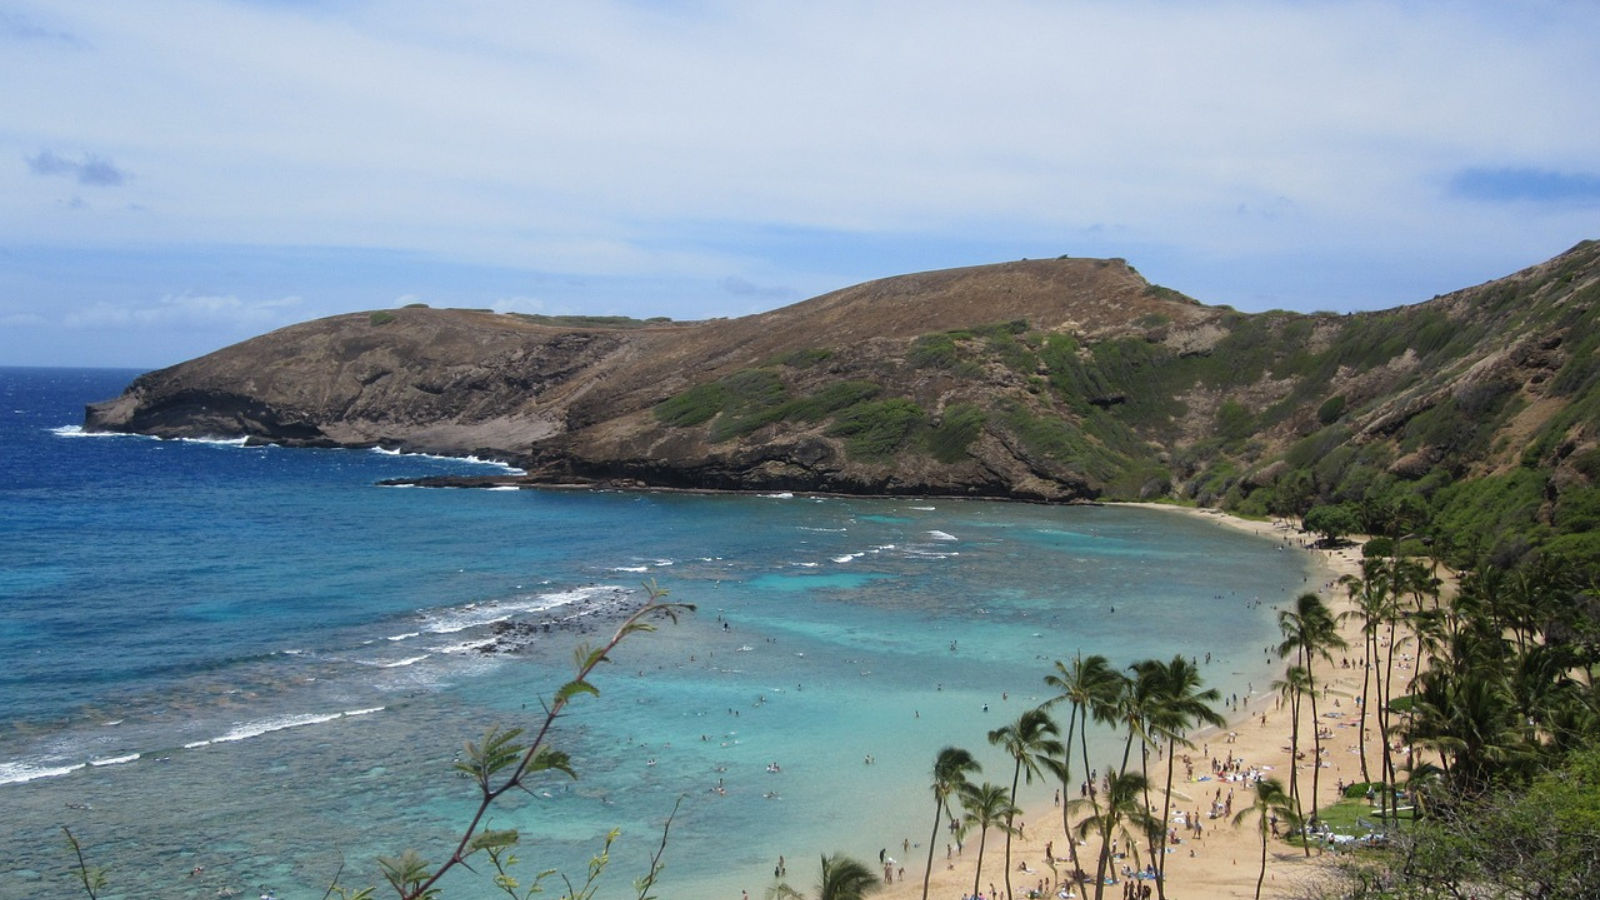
(179, 175)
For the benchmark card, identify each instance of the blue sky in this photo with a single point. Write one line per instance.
(178, 175)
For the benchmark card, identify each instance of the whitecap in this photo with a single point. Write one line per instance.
(19, 772)
(506, 467)
(402, 636)
(114, 760)
(464, 646)
(630, 569)
(780, 495)
(847, 557)
(942, 535)
(925, 508)
(408, 661)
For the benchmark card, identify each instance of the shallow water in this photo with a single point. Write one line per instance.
(286, 653)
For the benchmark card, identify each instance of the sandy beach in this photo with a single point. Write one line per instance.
(1224, 862)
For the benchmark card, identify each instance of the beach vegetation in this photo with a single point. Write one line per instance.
(1028, 741)
(1332, 521)
(1181, 703)
(986, 806)
(1271, 807)
(843, 878)
(1311, 632)
(1089, 685)
(953, 768)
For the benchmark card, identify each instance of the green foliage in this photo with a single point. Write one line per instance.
(1234, 422)
(1494, 516)
(948, 441)
(415, 306)
(1333, 522)
(876, 429)
(835, 396)
(94, 880)
(1541, 841)
(934, 351)
(697, 405)
(802, 359)
(381, 317)
(1331, 409)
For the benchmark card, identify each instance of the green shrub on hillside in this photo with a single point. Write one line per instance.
(877, 428)
(948, 441)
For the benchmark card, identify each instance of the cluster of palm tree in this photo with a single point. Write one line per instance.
(1505, 687)
(1153, 703)
(1310, 632)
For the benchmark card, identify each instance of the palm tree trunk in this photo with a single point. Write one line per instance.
(1262, 876)
(1066, 791)
(927, 873)
(1316, 747)
(1016, 775)
(977, 871)
(1166, 819)
(1369, 650)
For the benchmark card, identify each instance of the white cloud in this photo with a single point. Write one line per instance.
(609, 138)
(209, 312)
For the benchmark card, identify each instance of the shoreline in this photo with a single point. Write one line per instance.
(1224, 862)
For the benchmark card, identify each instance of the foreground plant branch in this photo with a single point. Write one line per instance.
(499, 764)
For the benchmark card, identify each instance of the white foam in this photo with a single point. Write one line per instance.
(246, 730)
(631, 569)
(402, 636)
(925, 508)
(848, 557)
(780, 495)
(19, 772)
(942, 535)
(114, 760)
(408, 661)
(464, 646)
(475, 460)
(472, 615)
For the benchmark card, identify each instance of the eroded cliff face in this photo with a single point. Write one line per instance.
(1045, 379)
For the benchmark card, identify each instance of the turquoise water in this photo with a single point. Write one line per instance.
(273, 661)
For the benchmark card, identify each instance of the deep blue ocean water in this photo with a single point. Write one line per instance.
(256, 661)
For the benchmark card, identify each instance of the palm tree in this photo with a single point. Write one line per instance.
(1271, 801)
(1312, 632)
(1091, 685)
(1373, 605)
(1028, 741)
(1124, 813)
(1180, 705)
(1292, 687)
(985, 806)
(843, 878)
(950, 770)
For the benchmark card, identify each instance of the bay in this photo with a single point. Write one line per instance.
(239, 668)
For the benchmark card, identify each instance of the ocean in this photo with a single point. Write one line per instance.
(246, 669)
